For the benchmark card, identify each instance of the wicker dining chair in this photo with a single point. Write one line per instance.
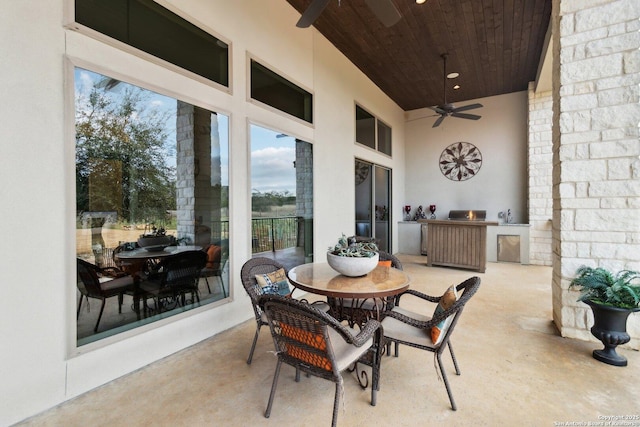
(132, 267)
(176, 276)
(413, 329)
(251, 268)
(314, 342)
(101, 283)
(257, 265)
(216, 261)
(385, 256)
(355, 310)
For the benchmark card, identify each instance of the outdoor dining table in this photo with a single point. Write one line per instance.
(141, 254)
(138, 257)
(351, 293)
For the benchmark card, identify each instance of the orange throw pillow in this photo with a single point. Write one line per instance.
(309, 338)
(446, 301)
(214, 254)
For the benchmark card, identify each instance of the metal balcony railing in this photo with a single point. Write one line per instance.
(271, 234)
(267, 234)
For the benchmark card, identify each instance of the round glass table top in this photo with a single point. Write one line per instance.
(323, 280)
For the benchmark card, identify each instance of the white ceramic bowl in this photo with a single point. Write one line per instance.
(352, 266)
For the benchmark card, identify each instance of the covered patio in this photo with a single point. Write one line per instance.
(516, 370)
(561, 153)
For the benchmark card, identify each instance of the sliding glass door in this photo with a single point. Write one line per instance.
(373, 203)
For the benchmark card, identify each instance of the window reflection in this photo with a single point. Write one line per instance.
(147, 26)
(365, 128)
(145, 163)
(372, 132)
(274, 90)
(282, 197)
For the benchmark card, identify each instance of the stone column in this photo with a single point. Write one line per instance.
(198, 184)
(540, 163)
(304, 196)
(596, 164)
(185, 170)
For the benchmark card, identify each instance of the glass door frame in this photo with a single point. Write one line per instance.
(376, 214)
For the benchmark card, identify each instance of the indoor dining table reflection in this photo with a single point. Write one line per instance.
(135, 262)
(142, 254)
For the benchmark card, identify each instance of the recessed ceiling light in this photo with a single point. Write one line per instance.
(420, 1)
(456, 87)
(452, 75)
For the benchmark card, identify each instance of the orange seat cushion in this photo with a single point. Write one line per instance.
(386, 263)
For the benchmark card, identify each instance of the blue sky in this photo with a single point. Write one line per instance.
(272, 161)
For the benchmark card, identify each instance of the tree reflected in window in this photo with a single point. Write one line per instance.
(145, 162)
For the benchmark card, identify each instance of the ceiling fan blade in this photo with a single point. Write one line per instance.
(385, 11)
(467, 107)
(465, 116)
(438, 109)
(437, 123)
(311, 14)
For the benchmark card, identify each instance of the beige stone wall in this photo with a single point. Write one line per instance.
(596, 174)
(540, 165)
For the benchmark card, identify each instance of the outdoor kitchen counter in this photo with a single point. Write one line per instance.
(457, 243)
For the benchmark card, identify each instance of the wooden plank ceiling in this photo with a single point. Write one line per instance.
(495, 45)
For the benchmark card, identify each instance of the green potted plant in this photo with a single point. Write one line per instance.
(612, 297)
(352, 258)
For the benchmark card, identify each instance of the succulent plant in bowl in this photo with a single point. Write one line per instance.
(349, 247)
(352, 258)
(156, 240)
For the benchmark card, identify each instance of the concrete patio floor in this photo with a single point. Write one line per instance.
(516, 370)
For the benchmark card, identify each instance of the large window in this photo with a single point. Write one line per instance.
(278, 92)
(282, 196)
(146, 25)
(372, 132)
(145, 163)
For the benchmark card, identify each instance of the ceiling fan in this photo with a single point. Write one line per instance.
(446, 110)
(384, 10)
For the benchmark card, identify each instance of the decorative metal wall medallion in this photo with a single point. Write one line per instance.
(460, 161)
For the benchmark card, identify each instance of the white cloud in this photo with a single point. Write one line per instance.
(272, 169)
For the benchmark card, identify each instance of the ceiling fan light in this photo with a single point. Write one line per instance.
(452, 75)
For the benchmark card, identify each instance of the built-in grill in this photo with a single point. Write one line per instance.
(470, 215)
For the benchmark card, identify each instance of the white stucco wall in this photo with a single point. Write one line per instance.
(501, 137)
(41, 366)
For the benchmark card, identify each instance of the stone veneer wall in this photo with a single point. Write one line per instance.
(304, 179)
(596, 173)
(194, 171)
(185, 170)
(540, 163)
(304, 196)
